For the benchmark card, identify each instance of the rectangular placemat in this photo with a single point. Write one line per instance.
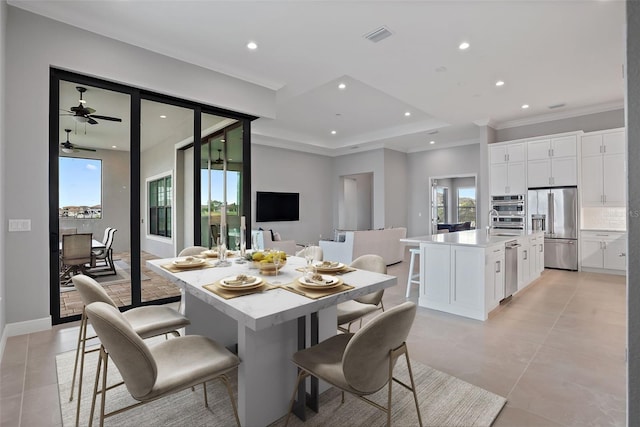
(228, 294)
(173, 269)
(296, 288)
(346, 269)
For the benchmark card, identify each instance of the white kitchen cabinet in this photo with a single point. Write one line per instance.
(536, 256)
(552, 162)
(603, 181)
(494, 272)
(524, 263)
(603, 250)
(507, 169)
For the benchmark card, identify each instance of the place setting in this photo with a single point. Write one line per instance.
(314, 285)
(186, 264)
(239, 285)
(330, 267)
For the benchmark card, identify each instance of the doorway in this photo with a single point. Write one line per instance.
(355, 202)
(453, 201)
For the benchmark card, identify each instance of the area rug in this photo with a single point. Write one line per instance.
(444, 401)
(123, 275)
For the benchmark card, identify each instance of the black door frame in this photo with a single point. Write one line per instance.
(136, 96)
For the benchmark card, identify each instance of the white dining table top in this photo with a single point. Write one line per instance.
(262, 310)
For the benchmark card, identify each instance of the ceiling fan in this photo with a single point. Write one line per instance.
(219, 160)
(83, 114)
(68, 147)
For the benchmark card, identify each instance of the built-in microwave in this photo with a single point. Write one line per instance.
(512, 205)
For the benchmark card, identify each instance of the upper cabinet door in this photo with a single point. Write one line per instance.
(515, 152)
(538, 150)
(564, 171)
(614, 143)
(516, 178)
(538, 173)
(591, 145)
(564, 146)
(499, 179)
(498, 154)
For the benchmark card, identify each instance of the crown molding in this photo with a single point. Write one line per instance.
(444, 146)
(594, 109)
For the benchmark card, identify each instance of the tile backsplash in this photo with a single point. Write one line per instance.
(603, 218)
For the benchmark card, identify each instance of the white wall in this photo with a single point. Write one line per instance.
(456, 161)
(3, 37)
(34, 44)
(275, 169)
(115, 199)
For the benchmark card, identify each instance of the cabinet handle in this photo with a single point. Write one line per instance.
(525, 255)
(622, 254)
(604, 148)
(497, 266)
(602, 235)
(601, 149)
(507, 157)
(541, 248)
(549, 152)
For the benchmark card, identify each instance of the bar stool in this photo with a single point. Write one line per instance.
(413, 277)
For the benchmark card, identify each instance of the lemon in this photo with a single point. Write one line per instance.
(258, 256)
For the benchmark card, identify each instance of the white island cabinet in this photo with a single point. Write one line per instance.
(464, 273)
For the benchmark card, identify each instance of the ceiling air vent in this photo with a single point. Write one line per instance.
(551, 107)
(378, 34)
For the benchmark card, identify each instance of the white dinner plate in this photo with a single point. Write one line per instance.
(231, 282)
(188, 262)
(329, 282)
(333, 266)
(213, 253)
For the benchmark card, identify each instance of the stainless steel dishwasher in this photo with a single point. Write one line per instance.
(510, 268)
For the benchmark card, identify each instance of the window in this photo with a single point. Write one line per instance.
(466, 204)
(160, 196)
(80, 189)
(442, 204)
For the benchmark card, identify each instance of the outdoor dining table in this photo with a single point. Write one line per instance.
(267, 327)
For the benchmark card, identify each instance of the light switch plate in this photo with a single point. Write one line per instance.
(19, 225)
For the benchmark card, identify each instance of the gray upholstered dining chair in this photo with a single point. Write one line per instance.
(153, 372)
(147, 321)
(351, 311)
(362, 363)
(192, 250)
(76, 253)
(314, 251)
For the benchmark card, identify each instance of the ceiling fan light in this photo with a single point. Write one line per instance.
(67, 150)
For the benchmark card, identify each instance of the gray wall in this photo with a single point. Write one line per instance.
(34, 44)
(358, 163)
(3, 37)
(633, 224)
(588, 123)
(115, 199)
(395, 186)
(276, 169)
(463, 160)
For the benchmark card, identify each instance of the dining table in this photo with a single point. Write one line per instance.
(265, 328)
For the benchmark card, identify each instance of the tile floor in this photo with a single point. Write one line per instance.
(556, 352)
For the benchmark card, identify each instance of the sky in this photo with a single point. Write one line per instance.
(467, 192)
(216, 186)
(80, 182)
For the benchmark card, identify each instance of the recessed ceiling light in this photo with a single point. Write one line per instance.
(113, 146)
(499, 83)
(163, 116)
(252, 45)
(525, 106)
(408, 113)
(432, 142)
(342, 86)
(333, 132)
(463, 46)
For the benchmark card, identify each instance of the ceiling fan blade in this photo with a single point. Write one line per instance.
(89, 110)
(112, 119)
(84, 149)
(92, 122)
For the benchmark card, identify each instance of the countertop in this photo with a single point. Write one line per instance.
(477, 238)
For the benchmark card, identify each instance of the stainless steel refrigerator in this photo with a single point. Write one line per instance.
(555, 211)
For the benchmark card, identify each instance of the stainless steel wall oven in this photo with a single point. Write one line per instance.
(511, 212)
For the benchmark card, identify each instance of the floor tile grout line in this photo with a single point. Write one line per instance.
(543, 341)
(24, 379)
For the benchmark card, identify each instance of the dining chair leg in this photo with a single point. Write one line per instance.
(83, 319)
(204, 389)
(342, 397)
(413, 387)
(390, 389)
(83, 326)
(95, 388)
(103, 401)
(226, 382)
(301, 375)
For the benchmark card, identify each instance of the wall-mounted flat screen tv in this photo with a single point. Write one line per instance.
(271, 206)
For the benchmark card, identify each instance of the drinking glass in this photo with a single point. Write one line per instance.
(276, 262)
(308, 255)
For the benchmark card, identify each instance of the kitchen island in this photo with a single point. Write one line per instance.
(464, 273)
